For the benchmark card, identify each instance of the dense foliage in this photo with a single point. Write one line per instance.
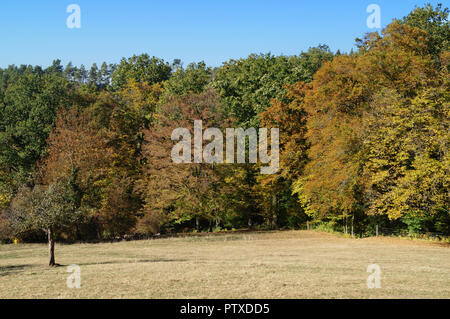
(364, 138)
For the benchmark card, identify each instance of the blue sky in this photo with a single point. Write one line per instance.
(35, 32)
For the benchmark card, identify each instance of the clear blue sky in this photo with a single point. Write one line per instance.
(35, 32)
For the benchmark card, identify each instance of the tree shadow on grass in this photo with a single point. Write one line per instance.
(132, 261)
(13, 269)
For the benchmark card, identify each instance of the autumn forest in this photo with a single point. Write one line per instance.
(364, 139)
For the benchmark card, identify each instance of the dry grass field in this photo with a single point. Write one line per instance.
(289, 264)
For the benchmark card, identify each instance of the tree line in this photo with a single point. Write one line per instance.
(364, 141)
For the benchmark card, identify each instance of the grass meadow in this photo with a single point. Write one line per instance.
(286, 264)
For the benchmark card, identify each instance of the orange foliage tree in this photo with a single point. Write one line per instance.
(171, 191)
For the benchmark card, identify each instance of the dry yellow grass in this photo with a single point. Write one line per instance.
(291, 264)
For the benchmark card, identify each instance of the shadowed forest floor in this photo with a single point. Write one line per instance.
(288, 264)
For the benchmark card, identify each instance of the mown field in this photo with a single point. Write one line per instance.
(289, 264)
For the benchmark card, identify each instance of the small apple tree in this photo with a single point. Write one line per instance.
(48, 208)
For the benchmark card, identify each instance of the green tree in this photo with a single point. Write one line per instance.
(193, 79)
(105, 75)
(69, 71)
(94, 75)
(26, 118)
(141, 68)
(56, 67)
(246, 86)
(434, 21)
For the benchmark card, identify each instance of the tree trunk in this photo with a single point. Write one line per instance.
(51, 247)
(77, 232)
(353, 219)
(197, 224)
(274, 212)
